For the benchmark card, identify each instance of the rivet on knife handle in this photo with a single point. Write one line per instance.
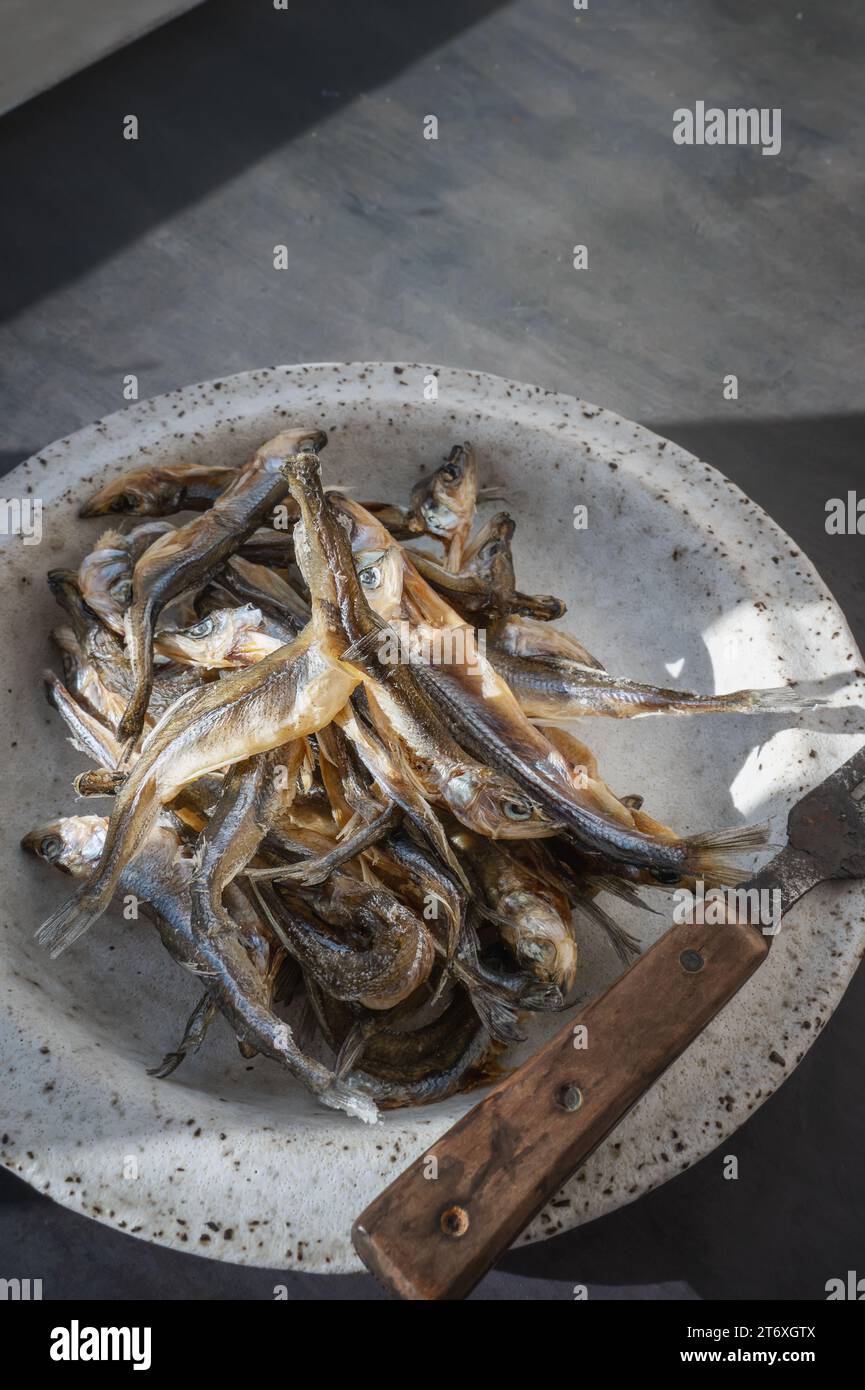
(433, 1238)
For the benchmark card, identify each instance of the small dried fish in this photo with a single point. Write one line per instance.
(160, 490)
(227, 638)
(241, 818)
(443, 505)
(105, 575)
(293, 692)
(478, 796)
(377, 953)
(533, 918)
(183, 559)
(485, 589)
(552, 691)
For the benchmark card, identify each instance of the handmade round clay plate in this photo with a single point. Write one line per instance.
(677, 574)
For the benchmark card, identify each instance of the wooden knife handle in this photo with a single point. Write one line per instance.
(441, 1224)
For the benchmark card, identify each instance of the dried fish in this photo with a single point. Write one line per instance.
(329, 782)
(160, 490)
(183, 559)
(443, 505)
(159, 878)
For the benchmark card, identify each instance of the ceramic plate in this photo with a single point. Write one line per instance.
(677, 575)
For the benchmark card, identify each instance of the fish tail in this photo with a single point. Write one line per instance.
(71, 920)
(783, 699)
(341, 1095)
(498, 1016)
(712, 856)
(128, 827)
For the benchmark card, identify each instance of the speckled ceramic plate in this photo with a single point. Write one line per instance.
(677, 574)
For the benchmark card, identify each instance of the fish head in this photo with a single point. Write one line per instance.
(365, 530)
(72, 843)
(380, 575)
(273, 454)
(438, 505)
(490, 556)
(142, 492)
(322, 548)
(105, 578)
(222, 639)
(494, 806)
(542, 942)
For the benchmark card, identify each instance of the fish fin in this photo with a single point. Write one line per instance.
(624, 945)
(359, 651)
(607, 883)
(709, 855)
(363, 647)
(342, 1095)
(490, 915)
(541, 998)
(305, 1024)
(498, 1015)
(351, 1051)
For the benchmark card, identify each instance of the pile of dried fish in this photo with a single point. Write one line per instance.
(326, 791)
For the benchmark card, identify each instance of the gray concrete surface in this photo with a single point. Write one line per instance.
(45, 41)
(259, 127)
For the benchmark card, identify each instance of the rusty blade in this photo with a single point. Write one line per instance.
(825, 836)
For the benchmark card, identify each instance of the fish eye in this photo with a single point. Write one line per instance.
(121, 592)
(370, 577)
(450, 472)
(517, 810)
(51, 847)
(202, 629)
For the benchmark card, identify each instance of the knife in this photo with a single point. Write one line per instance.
(437, 1229)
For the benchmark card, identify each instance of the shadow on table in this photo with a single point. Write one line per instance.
(213, 91)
